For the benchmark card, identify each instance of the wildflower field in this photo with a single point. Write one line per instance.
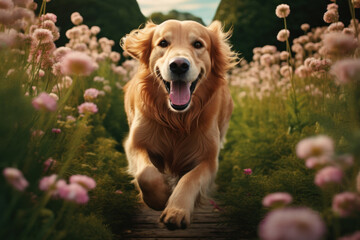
(289, 168)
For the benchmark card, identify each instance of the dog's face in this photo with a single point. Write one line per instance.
(181, 55)
(180, 58)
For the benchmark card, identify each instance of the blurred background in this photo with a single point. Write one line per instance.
(254, 22)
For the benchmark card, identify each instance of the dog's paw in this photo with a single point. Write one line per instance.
(175, 218)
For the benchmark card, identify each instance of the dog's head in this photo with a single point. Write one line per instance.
(184, 56)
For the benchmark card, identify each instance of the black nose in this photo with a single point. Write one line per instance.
(179, 65)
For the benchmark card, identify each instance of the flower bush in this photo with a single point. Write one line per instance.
(62, 168)
(296, 125)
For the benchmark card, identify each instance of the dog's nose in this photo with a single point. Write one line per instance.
(179, 65)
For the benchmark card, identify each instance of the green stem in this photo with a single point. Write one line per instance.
(59, 217)
(352, 12)
(35, 215)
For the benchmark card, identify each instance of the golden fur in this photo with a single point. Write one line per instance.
(173, 155)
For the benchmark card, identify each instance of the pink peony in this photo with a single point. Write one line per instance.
(85, 181)
(275, 199)
(90, 94)
(48, 183)
(77, 63)
(88, 107)
(44, 102)
(315, 146)
(73, 193)
(346, 204)
(346, 71)
(15, 178)
(247, 171)
(328, 175)
(292, 223)
(282, 11)
(283, 35)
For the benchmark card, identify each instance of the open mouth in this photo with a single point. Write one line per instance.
(179, 91)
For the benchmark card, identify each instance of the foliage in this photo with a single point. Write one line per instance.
(41, 139)
(159, 17)
(254, 23)
(273, 112)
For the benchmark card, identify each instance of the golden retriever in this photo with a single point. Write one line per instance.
(178, 107)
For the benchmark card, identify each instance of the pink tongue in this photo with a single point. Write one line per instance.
(179, 92)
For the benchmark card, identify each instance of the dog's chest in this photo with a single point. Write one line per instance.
(169, 150)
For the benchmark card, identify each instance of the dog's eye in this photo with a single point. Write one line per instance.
(163, 44)
(197, 44)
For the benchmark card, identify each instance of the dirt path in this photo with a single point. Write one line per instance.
(206, 224)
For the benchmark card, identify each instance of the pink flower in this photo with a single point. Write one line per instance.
(114, 56)
(88, 107)
(286, 71)
(305, 27)
(37, 133)
(313, 162)
(43, 35)
(95, 30)
(49, 163)
(266, 60)
(356, 3)
(118, 192)
(279, 198)
(48, 16)
(354, 236)
(15, 178)
(315, 146)
(337, 43)
(44, 102)
(77, 63)
(6, 4)
(282, 11)
(292, 223)
(76, 18)
(328, 175)
(56, 130)
(346, 71)
(90, 94)
(331, 16)
(247, 171)
(284, 55)
(73, 193)
(346, 204)
(48, 183)
(283, 35)
(333, 6)
(60, 52)
(85, 181)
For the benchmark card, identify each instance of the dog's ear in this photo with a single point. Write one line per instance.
(138, 42)
(222, 57)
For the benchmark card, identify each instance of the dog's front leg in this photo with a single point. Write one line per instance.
(181, 202)
(151, 183)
